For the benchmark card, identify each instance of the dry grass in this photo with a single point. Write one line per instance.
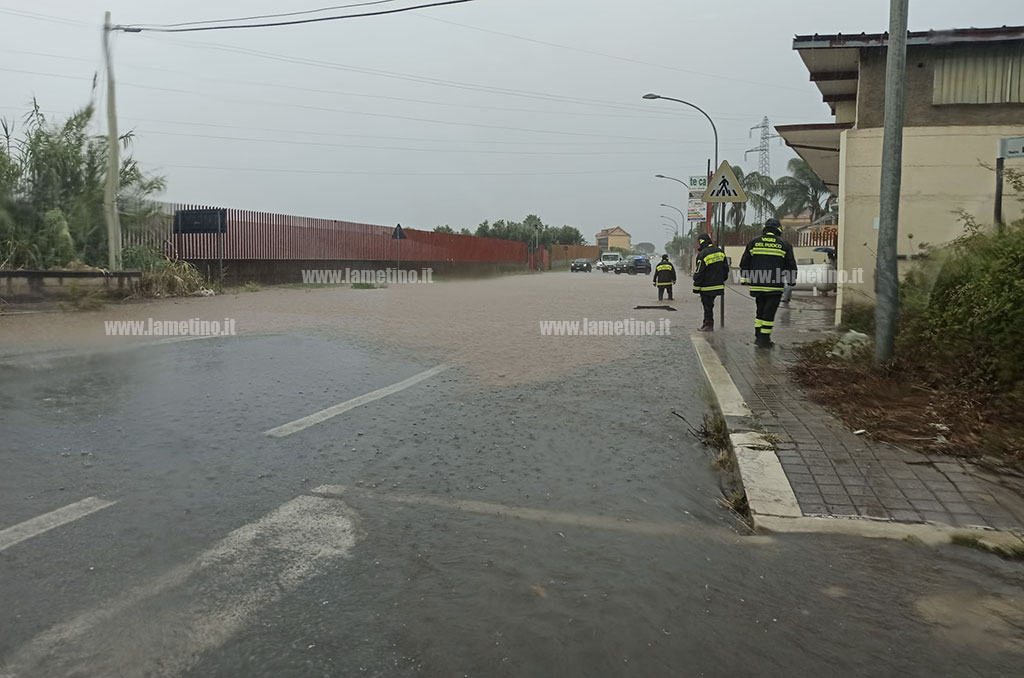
(913, 409)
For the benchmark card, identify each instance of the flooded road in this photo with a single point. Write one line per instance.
(537, 508)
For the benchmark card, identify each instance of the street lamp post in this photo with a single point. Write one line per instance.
(721, 211)
(682, 215)
(665, 216)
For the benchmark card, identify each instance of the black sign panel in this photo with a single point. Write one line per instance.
(201, 221)
(398, 233)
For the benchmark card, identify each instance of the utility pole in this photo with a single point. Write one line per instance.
(110, 208)
(887, 282)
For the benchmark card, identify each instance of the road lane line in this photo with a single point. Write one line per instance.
(162, 628)
(46, 522)
(335, 410)
(695, 528)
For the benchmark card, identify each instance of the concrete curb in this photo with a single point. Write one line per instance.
(770, 497)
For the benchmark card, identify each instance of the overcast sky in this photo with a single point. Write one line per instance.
(433, 117)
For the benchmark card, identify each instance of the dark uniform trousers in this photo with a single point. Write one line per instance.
(708, 301)
(661, 292)
(767, 305)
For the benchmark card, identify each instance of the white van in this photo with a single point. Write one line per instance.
(608, 260)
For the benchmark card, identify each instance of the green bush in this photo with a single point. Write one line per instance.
(963, 308)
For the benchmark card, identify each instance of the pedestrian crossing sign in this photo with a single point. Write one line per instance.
(724, 187)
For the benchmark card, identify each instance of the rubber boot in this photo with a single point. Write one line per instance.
(706, 328)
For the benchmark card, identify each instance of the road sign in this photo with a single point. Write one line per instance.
(698, 182)
(1011, 147)
(398, 233)
(697, 210)
(724, 187)
(201, 221)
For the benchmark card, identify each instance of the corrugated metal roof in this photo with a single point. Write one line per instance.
(840, 40)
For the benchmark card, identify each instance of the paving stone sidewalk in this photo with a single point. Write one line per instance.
(834, 472)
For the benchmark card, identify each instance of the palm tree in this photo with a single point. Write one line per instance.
(759, 189)
(803, 191)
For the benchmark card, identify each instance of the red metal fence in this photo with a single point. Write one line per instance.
(263, 236)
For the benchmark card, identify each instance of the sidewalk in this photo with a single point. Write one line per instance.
(833, 472)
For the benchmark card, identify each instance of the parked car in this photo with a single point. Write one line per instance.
(608, 261)
(632, 265)
(580, 265)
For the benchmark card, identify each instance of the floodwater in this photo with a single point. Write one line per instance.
(538, 509)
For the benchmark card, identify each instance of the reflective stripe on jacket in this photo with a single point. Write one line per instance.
(711, 271)
(767, 265)
(664, 274)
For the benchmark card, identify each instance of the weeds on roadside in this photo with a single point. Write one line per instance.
(364, 286)
(974, 541)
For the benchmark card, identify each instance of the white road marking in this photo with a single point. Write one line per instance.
(161, 628)
(46, 522)
(335, 410)
(694, 528)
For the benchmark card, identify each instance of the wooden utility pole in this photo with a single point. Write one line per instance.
(110, 208)
(887, 281)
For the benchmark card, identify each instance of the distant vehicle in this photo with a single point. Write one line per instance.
(633, 264)
(640, 264)
(580, 265)
(608, 261)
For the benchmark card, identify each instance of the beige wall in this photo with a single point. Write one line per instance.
(941, 173)
(618, 241)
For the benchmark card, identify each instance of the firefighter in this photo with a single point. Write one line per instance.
(709, 276)
(767, 266)
(664, 277)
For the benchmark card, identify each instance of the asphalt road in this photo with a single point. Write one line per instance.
(492, 519)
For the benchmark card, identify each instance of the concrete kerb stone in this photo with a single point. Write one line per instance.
(770, 497)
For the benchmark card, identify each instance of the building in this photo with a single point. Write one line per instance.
(964, 91)
(610, 238)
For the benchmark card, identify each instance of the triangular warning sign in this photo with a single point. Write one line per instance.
(398, 233)
(723, 187)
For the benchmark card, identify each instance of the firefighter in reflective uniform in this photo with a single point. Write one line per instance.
(664, 277)
(767, 267)
(709, 276)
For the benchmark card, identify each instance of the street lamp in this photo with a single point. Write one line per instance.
(662, 176)
(682, 215)
(663, 216)
(696, 107)
(721, 211)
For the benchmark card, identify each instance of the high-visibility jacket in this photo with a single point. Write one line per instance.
(664, 274)
(767, 265)
(711, 272)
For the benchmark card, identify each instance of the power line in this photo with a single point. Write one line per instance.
(129, 28)
(266, 16)
(609, 56)
(367, 113)
(342, 93)
(278, 170)
(293, 142)
(278, 130)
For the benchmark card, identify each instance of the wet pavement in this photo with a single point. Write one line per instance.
(535, 510)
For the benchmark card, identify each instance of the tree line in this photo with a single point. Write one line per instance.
(529, 230)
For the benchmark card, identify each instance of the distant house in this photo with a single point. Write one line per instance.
(608, 238)
(964, 91)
